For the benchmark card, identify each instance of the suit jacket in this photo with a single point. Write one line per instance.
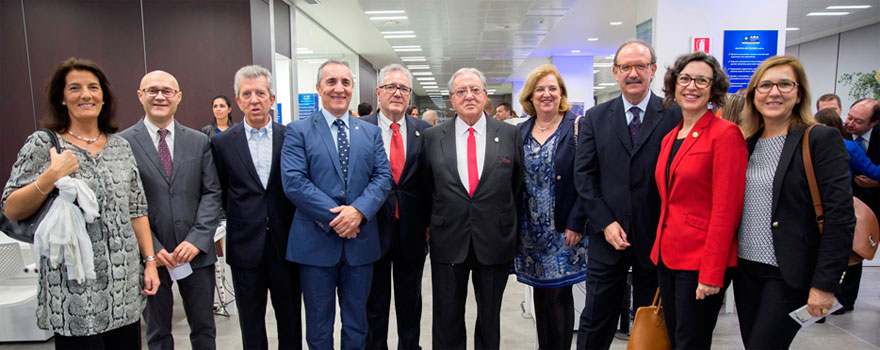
(489, 218)
(701, 199)
(250, 208)
(871, 196)
(805, 257)
(615, 178)
(409, 194)
(313, 181)
(569, 214)
(859, 161)
(185, 207)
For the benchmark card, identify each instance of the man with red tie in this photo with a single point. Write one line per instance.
(402, 219)
(474, 175)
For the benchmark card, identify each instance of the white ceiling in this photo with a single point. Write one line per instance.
(496, 36)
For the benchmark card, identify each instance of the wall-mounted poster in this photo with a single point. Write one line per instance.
(308, 105)
(744, 50)
(645, 31)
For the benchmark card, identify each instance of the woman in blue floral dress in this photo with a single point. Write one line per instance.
(552, 256)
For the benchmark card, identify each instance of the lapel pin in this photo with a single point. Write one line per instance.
(496, 139)
(695, 134)
(417, 133)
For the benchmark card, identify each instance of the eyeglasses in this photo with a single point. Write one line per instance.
(390, 88)
(152, 92)
(782, 85)
(700, 81)
(463, 91)
(641, 67)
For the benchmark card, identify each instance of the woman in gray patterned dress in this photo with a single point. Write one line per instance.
(103, 313)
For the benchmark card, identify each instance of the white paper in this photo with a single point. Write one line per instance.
(803, 317)
(180, 272)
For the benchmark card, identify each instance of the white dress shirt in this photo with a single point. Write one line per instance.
(643, 106)
(461, 136)
(154, 134)
(385, 126)
(260, 145)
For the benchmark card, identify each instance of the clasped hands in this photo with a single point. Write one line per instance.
(347, 221)
(183, 253)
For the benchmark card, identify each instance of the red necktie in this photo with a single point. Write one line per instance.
(397, 158)
(473, 177)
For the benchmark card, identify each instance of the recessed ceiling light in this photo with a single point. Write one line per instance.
(792, 28)
(598, 87)
(397, 32)
(595, 71)
(617, 23)
(575, 51)
(848, 7)
(412, 58)
(490, 91)
(418, 66)
(424, 78)
(611, 57)
(406, 47)
(385, 18)
(384, 12)
(602, 65)
(400, 36)
(408, 50)
(607, 84)
(422, 73)
(592, 39)
(827, 13)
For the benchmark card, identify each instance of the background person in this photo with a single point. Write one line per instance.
(858, 161)
(103, 313)
(222, 109)
(784, 262)
(552, 256)
(364, 109)
(733, 108)
(701, 177)
(412, 110)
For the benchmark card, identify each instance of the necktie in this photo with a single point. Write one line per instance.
(164, 153)
(397, 159)
(262, 168)
(342, 148)
(635, 124)
(473, 177)
(862, 143)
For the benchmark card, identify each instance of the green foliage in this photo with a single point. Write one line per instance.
(862, 84)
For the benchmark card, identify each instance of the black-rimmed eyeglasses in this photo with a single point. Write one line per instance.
(390, 88)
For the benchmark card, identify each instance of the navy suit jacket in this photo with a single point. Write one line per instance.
(615, 177)
(313, 181)
(250, 208)
(409, 194)
(570, 214)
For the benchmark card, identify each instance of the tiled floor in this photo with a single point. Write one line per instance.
(855, 330)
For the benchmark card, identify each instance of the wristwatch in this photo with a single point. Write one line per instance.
(149, 258)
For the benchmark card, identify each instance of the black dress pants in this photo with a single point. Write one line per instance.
(125, 337)
(689, 322)
(449, 285)
(763, 302)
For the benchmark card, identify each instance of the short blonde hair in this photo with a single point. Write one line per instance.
(801, 113)
(525, 95)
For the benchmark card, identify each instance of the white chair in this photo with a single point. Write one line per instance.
(18, 296)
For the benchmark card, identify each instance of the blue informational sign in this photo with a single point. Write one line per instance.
(744, 50)
(278, 108)
(308, 105)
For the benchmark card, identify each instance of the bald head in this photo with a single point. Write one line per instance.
(160, 94)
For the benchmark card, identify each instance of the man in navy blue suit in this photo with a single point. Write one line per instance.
(334, 169)
(258, 215)
(403, 218)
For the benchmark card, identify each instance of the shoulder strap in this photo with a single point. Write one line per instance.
(53, 138)
(811, 179)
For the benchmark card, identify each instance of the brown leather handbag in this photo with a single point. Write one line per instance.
(867, 230)
(649, 328)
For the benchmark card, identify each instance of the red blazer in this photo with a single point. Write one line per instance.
(700, 206)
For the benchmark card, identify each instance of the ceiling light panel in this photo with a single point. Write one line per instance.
(397, 32)
(848, 7)
(842, 13)
(418, 66)
(422, 73)
(424, 78)
(386, 18)
(408, 50)
(399, 36)
(385, 12)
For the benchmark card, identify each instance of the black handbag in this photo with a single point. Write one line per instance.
(24, 230)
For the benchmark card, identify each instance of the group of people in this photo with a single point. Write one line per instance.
(336, 209)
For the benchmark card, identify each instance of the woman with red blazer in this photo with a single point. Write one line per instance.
(700, 175)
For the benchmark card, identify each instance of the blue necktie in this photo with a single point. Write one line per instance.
(635, 124)
(862, 143)
(342, 148)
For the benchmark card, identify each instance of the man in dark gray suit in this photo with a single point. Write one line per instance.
(183, 195)
(473, 174)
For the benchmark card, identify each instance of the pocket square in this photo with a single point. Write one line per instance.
(504, 160)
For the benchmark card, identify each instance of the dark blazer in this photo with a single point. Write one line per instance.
(185, 207)
(570, 214)
(250, 208)
(489, 219)
(807, 258)
(701, 199)
(211, 129)
(410, 194)
(615, 178)
(871, 196)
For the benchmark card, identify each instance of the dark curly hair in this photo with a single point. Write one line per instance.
(58, 119)
(720, 84)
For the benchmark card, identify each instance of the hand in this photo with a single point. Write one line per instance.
(428, 235)
(864, 182)
(61, 164)
(819, 302)
(572, 238)
(705, 290)
(151, 278)
(614, 234)
(347, 222)
(185, 252)
(166, 259)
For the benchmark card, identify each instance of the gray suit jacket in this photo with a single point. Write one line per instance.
(185, 207)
